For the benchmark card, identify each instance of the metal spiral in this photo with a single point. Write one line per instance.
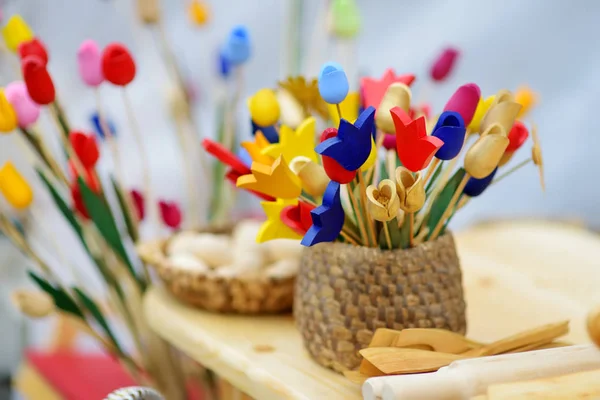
(135, 393)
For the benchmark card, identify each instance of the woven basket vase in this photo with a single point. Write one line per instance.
(344, 293)
(263, 295)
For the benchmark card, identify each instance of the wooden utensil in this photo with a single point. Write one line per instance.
(438, 339)
(393, 360)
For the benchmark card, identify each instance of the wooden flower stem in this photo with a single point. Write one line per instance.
(512, 170)
(432, 167)
(363, 198)
(388, 238)
(359, 215)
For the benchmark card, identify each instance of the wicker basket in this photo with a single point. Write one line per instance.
(263, 295)
(345, 293)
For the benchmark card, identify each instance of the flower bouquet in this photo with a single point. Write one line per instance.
(371, 198)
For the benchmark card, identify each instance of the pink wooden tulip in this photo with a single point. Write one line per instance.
(89, 60)
(27, 110)
(442, 67)
(464, 101)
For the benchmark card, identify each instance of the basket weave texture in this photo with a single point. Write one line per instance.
(344, 293)
(263, 295)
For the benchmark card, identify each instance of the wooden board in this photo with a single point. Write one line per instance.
(517, 275)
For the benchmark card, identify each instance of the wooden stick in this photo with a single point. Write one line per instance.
(339, 110)
(388, 238)
(432, 168)
(510, 171)
(348, 238)
(373, 172)
(66, 142)
(448, 210)
(411, 229)
(363, 198)
(359, 219)
(148, 194)
(187, 170)
(230, 114)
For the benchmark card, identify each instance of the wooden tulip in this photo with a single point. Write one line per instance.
(485, 154)
(503, 111)
(397, 95)
(383, 201)
(313, 176)
(411, 190)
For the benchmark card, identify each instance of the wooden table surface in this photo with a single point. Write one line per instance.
(517, 275)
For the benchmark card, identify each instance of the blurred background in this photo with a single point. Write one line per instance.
(544, 45)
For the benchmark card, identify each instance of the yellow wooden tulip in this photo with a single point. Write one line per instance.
(276, 180)
(396, 95)
(264, 108)
(255, 150)
(198, 12)
(349, 107)
(503, 111)
(383, 202)
(15, 32)
(526, 98)
(313, 176)
(482, 108)
(485, 154)
(292, 144)
(260, 140)
(273, 227)
(411, 190)
(14, 187)
(8, 116)
(372, 157)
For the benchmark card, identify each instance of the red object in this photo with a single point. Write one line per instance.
(372, 90)
(232, 176)
(517, 136)
(389, 141)
(90, 177)
(33, 47)
(170, 213)
(333, 169)
(225, 156)
(442, 67)
(138, 202)
(118, 66)
(91, 376)
(424, 109)
(415, 148)
(37, 79)
(297, 217)
(86, 148)
(78, 204)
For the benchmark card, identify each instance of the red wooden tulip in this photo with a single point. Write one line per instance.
(170, 213)
(517, 136)
(33, 47)
(89, 177)
(138, 202)
(297, 217)
(373, 90)
(442, 67)
(118, 66)
(415, 148)
(86, 148)
(333, 169)
(37, 79)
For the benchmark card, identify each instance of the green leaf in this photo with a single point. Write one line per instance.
(436, 173)
(443, 200)
(60, 297)
(131, 225)
(103, 219)
(91, 306)
(395, 237)
(63, 207)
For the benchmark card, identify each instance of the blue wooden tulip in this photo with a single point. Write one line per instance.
(333, 83)
(244, 157)
(327, 219)
(352, 145)
(475, 187)
(237, 48)
(451, 129)
(95, 120)
(224, 66)
(270, 132)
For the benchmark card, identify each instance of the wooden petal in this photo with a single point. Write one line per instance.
(393, 360)
(439, 339)
(485, 154)
(397, 95)
(368, 369)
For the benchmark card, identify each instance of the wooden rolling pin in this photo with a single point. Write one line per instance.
(464, 379)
